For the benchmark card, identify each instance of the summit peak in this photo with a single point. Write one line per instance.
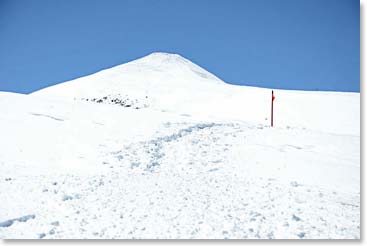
(164, 57)
(164, 54)
(157, 73)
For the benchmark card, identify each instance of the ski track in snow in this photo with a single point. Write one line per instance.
(184, 183)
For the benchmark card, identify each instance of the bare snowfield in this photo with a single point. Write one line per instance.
(161, 148)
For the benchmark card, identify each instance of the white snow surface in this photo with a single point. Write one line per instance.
(159, 148)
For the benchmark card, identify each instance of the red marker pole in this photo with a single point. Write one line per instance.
(272, 101)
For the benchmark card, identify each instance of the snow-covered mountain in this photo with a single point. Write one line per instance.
(169, 82)
(159, 79)
(161, 148)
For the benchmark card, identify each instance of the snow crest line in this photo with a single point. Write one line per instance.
(47, 116)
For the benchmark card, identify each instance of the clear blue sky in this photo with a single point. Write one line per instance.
(292, 44)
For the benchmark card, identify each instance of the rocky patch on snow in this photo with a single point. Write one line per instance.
(121, 100)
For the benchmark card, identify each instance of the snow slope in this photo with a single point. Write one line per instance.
(169, 82)
(161, 148)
